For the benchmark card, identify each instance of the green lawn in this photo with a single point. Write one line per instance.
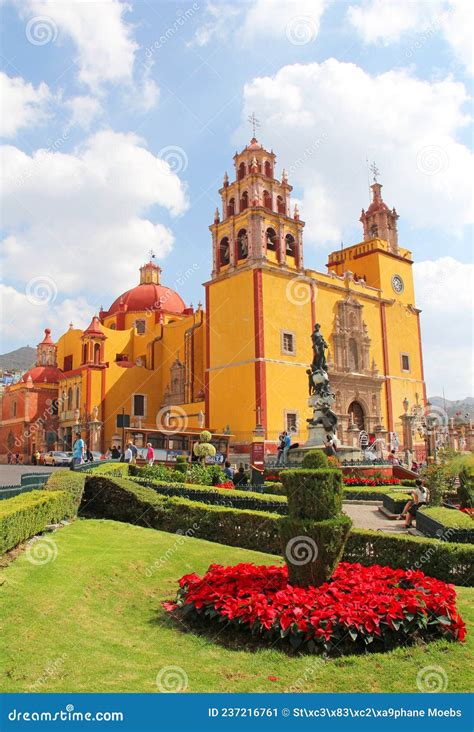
(91, 620)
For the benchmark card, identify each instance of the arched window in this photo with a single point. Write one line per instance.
(353, 355)
(242, 244)
(97, 353)
(78, 397)
(267, 199)
(140, 326)
(374, 231)
(268, 169)
(271, 240)
(69, 399)
(241, 171)
(244, 201)
(231, 207)
(281, 205)
(290, 245)
(357, 413)
(224, 252)
(43, 359)
(84, 353)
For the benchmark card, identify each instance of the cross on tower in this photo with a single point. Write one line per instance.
(254, 122)
(151, 254)
(375, 171)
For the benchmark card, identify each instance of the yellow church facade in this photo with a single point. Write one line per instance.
(239, 364)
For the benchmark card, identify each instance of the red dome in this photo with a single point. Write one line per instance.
(148, 296)
(42, 374)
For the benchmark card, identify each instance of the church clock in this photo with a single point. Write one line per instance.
(398, 284)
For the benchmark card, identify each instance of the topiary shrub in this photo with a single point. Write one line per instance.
(315, 531)
(466, 487)
(315, 459)
(181, 464)
(203, 448)
(315, 494)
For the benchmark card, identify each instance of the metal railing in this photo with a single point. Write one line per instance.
(28, 482)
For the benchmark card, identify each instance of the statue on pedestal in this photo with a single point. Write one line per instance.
(322, 425)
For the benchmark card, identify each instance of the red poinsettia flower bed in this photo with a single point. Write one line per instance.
(357, 607)
(371, 481)
(228, 485)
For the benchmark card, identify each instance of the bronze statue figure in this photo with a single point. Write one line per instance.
(319, 347)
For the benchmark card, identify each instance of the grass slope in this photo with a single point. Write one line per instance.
(91, 621)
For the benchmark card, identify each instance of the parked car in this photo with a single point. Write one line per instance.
(55, 457)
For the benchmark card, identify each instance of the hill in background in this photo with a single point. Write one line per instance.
(19, 360)
(454, 407)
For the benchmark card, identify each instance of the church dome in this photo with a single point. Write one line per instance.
(148, 295)
(42, 374)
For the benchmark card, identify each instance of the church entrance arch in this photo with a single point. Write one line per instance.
(357, 415)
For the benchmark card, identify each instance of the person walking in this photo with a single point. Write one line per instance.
(78, 450)
(115, 453)
(150, 454)
(134, 453)
(286, 447)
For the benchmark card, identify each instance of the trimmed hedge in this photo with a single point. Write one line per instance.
(218, 496)
(449, 517)
(124, 500)
(315, 459)
(354, 493)
(116, 470)
(72, 484)
(29, 513)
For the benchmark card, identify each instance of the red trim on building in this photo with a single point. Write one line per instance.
(207, 400)
(388, 386)
(260, 370)
(313, 306)
(425, 399)
(102, 409)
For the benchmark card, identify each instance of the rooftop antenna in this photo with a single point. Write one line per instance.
(254, 122)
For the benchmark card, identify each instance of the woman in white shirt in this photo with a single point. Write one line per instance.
(420, 498)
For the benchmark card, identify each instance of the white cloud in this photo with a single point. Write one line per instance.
(79, 219)
(104, 41)
(23, 105)
(84, 110)
(24, 318)
(296, 20)
(444, 290)
(388, 21)
(325, 119)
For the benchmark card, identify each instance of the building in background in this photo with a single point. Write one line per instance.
(239, 365)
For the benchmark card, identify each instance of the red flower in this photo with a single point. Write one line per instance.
(357, 603)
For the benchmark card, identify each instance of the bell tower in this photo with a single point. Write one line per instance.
(255, 223)
(259, 300)
(379, 221)
(46, 351)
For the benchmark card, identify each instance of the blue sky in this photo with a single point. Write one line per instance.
(119, 121)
